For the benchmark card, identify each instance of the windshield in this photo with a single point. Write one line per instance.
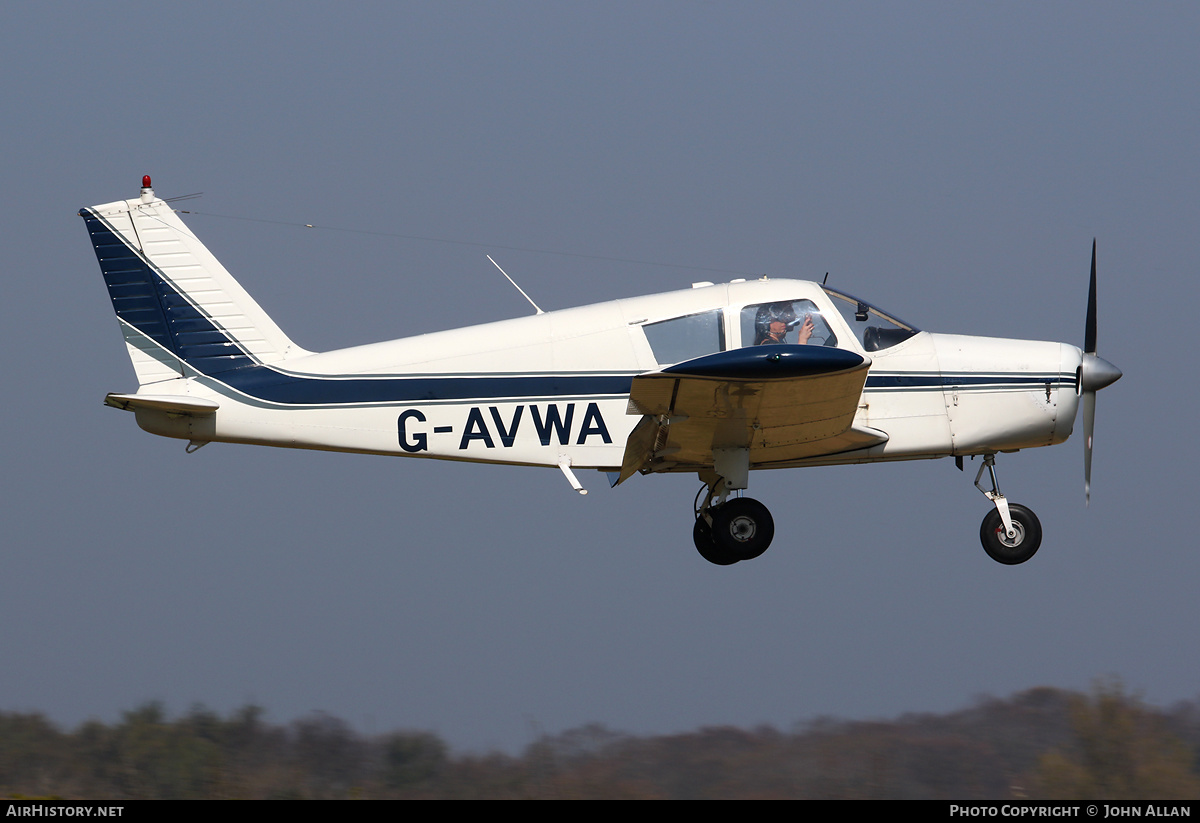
(875, 329)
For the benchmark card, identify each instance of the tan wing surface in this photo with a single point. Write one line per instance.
(780, 402)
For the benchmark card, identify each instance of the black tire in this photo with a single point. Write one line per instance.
(702, 537)
(742, 528)
(1021, 548)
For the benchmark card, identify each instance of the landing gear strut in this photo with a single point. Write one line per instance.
(1010, 533)
(733, 529)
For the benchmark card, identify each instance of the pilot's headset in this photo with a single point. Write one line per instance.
(769, 314)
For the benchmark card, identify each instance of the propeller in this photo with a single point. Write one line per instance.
(1094, 374)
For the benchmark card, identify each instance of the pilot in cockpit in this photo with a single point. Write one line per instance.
(775, 320)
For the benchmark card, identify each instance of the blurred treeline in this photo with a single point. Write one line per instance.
(1042, 743)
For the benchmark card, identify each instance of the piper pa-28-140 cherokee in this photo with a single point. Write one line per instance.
(716, 379)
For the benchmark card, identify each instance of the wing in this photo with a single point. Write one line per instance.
(780, 402)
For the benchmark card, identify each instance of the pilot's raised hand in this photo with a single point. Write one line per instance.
(806, 329)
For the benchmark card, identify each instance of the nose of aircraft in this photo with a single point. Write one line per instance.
(1096, 373)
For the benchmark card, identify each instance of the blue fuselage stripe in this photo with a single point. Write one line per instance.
(264, 383)
(1012, 380)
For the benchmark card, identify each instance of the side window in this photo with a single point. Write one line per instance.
(795, 322)
(683, 338)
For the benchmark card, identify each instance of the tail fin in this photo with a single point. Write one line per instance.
(178, 307)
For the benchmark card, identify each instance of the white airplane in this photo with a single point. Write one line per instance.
(715, 379)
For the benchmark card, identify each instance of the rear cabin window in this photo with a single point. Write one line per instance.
(684, 338)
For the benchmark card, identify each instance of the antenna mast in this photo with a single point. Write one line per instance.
(515, 286)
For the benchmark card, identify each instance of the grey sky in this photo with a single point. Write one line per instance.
(950, 162)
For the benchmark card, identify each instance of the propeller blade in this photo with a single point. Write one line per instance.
(1089, 425)
(1089, 332)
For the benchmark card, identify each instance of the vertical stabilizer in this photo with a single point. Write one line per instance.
(176, 303)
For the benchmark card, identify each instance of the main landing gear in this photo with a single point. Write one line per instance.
(1010, 533)
(728, 529)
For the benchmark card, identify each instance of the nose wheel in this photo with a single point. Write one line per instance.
(1016, 548)
(1010, 533)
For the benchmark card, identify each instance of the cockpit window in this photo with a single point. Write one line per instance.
(789, 321)
(683, 338)
(875, 329)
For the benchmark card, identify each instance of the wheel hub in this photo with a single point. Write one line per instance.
(1016, 540)
(742, 529)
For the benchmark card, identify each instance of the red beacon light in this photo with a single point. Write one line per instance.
(145, 181)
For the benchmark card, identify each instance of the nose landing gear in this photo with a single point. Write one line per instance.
(1010, 533)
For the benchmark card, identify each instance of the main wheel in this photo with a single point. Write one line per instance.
(742, 528)
(1021, 547)
(710, 551)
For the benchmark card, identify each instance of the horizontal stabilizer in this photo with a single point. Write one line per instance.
(169, 403)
